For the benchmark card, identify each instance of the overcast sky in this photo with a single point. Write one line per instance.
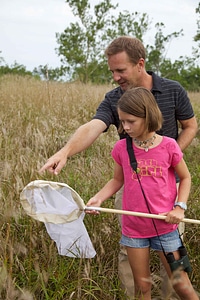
(28, 27)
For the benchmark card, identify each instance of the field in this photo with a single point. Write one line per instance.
(37, 118)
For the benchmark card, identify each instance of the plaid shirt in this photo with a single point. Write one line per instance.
(172, 100)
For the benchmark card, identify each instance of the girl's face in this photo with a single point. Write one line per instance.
(134, 126)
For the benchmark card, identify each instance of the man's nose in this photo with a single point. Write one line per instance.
(116, 76)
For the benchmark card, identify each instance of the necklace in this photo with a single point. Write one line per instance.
(145, 144)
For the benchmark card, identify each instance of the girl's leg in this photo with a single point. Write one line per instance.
(180, 280)
(139, 262)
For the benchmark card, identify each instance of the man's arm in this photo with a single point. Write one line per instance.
(83, 137)
(188, 132)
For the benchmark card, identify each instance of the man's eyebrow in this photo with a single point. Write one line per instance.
(119, 69)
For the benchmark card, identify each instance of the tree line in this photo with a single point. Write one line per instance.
(81, 47)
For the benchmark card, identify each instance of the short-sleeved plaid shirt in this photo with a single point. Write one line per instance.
(172, 100)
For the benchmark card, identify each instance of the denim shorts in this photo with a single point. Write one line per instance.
(169, 241)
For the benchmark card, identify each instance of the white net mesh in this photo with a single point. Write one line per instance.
(62, 210)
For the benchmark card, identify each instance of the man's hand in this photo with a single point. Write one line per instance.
(55, 163)
(83, 138)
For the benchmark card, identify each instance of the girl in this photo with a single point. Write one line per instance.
(157, 158)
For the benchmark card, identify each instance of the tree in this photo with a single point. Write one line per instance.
(15, 69)
(1, 59)
(156, 54)
(186, 70)
(82, 44)
(196, 51)
(78, 48)
(47, 73)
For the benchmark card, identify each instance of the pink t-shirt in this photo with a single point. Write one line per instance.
(157, 177)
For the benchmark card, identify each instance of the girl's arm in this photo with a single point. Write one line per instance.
(185, 181)
(111, 187)
(177, 214)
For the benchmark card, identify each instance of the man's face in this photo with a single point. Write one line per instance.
(124, 72)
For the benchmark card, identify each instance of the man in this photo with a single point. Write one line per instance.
(126, 61)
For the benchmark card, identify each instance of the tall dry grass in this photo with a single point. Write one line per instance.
(37, 118)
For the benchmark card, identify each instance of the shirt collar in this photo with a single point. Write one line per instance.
(157, 86)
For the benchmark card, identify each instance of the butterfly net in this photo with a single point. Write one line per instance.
(62, 211)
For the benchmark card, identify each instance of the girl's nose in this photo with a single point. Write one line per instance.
(126, 126)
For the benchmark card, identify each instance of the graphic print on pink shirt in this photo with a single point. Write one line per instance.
(149, 167)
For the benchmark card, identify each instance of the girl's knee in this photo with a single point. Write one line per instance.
(184, 288)
(187, 294)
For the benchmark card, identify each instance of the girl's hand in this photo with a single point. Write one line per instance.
(93, 202)
(174, 216)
